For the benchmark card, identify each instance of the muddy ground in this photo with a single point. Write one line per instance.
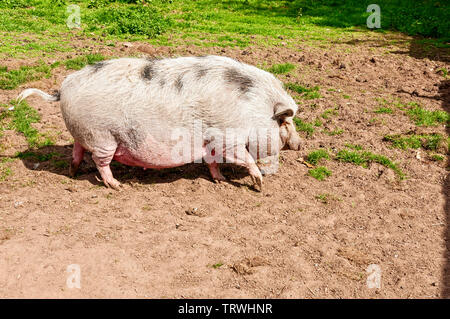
(175, 233)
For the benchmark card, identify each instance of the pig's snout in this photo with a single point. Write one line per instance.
(294, 143)
(289, 136)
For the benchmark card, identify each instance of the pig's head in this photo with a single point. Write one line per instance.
(284, 114)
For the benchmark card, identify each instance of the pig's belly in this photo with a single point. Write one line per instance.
(152, 155)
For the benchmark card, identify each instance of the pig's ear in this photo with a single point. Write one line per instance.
(282, 111)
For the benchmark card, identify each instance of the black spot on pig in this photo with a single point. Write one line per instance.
(99, 65)
(148, 72)
(57, 95)
(234, 77)
(200, 71)
(179, 82)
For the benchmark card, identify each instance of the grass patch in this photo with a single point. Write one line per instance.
(334, 132)
(315, 156)
(302, 126)
(436, 157)
(326, 198)
(353, 146)
(426, 141)
(363, 158)
(10, 80)
(317, 122)
(384, 110)
(218, 265)
(319, 173)
(4, 170)
(308, 93)
(423, 117)
(281, 68)
(60, 163)
(37, 157)
(22, 116)
(80, 62)
(328, 113)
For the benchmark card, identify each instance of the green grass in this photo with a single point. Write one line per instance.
(384, 110)
(325, 198)
(337, 131)
(317, 122)
(444, 72)
(217, 23)
(21, 119)
(328, 113)
(308, 93)
(218, 265)
(314, 157)
(281, 68)
(319, 173)
(423, 117)
(11, 79)
(37, 157)
(302, 126)
(436, 157)
(5, 171)
(60, 163)
(353, 146)
(80, 62)
(426, 141)
(363, 158)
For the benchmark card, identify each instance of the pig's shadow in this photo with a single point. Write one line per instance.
(56, 159)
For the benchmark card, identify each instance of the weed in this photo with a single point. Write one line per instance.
(328, 113)
(436, 157)
(427, 141)
(363, 158)
(10, 80)
(334, 132)
(304, 126)
(22, 118)
(36, 156)
(218, 265)
(60, 163)
(80, 62)
(281, 68)
(423, 117)
(319, 173)
(308, 93)
(384, 110)
(353, 146)
(315, 156)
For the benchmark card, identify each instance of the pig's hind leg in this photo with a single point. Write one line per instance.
(77, 158)
(102, 158)
(215, 172)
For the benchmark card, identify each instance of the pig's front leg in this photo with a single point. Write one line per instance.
(245, 159)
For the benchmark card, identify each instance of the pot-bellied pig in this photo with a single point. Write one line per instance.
(168, 112)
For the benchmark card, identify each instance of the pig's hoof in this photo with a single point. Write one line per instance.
(114, 184)
(219, 178)
(257, 180)
(72, 170)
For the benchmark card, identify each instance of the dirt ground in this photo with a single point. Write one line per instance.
(175, 233)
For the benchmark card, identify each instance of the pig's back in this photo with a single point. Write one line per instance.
(157, 95)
